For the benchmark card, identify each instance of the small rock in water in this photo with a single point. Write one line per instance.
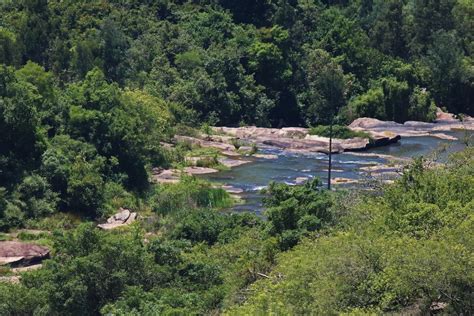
(232, 190)
(265, 156)
(301, 180)
(383, 168)
(344, 181)
(231, 163)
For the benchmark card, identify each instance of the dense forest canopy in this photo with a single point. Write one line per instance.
(265, 62)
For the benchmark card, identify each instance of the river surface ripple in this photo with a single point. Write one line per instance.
(253, 177)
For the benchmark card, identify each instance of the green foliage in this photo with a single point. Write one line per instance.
(236, 143)
(391, 99)
(338, 131)
(37, 197)
(293, 211)
(19, 300)
(9, 54)
(187, 194)
(399, 251)
(326, 88)
(269, 70)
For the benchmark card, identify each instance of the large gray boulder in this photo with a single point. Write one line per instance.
(122, 218)
(21, 253)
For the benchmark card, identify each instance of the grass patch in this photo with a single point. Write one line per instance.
(207, 158)
(5, 237)
(338, 131)
(56, 221)
(203, 151)
(27, 236)
(189, 193)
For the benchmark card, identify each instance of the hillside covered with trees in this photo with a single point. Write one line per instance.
(91, 92)
(265, 62)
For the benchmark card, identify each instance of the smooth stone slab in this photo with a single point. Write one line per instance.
(16, 252)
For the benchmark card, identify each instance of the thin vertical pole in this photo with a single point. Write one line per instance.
(330, 155)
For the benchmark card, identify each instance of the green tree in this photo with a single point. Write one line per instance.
(10, 50)
(22, 141)
(326, 88)
(76, 171)
(444, 59)
(387, 30)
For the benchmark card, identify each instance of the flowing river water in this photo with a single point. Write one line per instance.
(253, 177)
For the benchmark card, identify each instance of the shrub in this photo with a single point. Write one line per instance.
(338, 131)
(236, 143)
(295, 210)
(187, 194)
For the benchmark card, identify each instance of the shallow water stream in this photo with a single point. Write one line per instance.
(289, 166)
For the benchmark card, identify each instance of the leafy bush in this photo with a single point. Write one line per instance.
(293, 211)
(338, 131)
(187, 194)
(400, 251)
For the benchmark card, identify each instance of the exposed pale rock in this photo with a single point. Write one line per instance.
(376, 155)
(301, 180)
(26, 269)
(222, 139)
(444, 116)
(9, 260)
(109, 226)
(412, 128)
(171, 176)
(383, 168)
(293, 132)
(265, 156)
(166, 145)
(385, 174)
(199, 170)
(14, 279)
(230, 153)
(256, 132)
(165, 176)
(203, 143)
(343, 181)
(232, 190)
(122, 218)
(302, 145)
(231, 163)
(16, 252)
(437, 307)
(131, 218)
(245, 149)
(443, 136)
(367, 123)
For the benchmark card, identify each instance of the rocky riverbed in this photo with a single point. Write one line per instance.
(294, 156)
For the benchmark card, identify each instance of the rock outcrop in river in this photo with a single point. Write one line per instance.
(298, 139)
(381, 133)
(444, 122)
